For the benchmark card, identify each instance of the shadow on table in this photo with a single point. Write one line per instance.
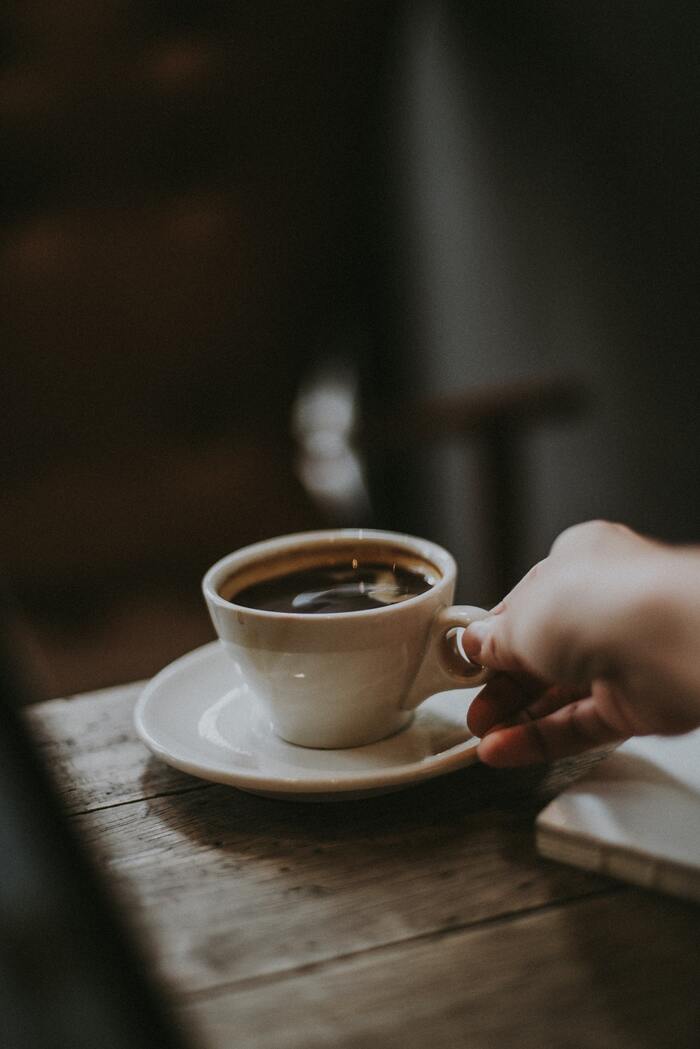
(203, 810)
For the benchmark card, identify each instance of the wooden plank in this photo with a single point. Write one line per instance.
(418, 917)
(619, 972)
(90, 747)
(228, 886)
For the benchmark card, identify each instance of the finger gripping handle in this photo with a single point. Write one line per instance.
(444, 666)
(454, 661)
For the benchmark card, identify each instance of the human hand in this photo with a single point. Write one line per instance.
(597, 643)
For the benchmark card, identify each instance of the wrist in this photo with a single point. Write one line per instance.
(660, 586)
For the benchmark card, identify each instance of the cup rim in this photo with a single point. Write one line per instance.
(425, 548)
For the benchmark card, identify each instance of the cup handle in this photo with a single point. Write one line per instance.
(443, 667)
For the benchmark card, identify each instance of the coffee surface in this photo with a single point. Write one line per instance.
(350, 587)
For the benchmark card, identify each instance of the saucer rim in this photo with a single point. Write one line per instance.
(454, 758)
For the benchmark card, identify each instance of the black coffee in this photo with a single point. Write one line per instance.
(350, 587)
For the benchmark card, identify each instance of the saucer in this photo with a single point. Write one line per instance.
(200, 716)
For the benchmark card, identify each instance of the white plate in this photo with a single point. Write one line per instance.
(199, 715)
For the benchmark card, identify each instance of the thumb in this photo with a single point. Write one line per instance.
(486, 641)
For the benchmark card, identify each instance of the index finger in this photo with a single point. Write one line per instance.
(573, 729)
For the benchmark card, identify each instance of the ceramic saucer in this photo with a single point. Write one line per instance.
(200, 715)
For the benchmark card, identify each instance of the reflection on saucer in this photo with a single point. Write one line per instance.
(209, 732)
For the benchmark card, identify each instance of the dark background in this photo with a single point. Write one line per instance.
(206, 206)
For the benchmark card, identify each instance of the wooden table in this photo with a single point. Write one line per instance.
(418, 919)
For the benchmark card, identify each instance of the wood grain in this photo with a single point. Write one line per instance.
(609, 972)
(418, 917)
(93, 753)
(228, 886)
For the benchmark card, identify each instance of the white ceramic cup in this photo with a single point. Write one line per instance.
(343, 679)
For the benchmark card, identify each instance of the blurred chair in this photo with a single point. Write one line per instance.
(497, 422)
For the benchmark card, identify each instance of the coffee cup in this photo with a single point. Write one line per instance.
(341, 634)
